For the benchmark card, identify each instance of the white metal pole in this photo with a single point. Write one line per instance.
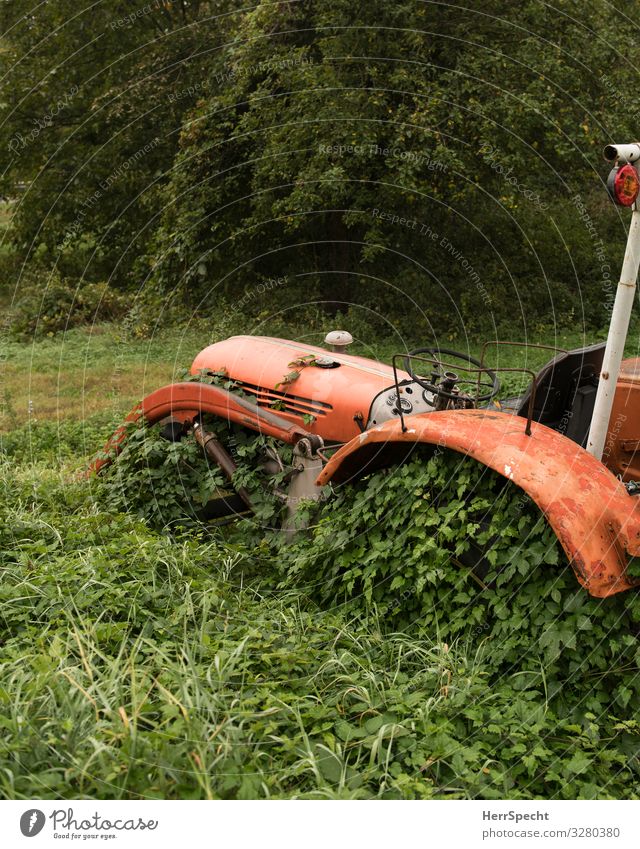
(620, 317)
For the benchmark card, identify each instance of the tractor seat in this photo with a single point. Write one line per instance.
(565, 393)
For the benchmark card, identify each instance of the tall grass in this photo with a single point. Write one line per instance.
(134, 664)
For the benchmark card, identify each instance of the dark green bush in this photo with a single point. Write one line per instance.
(46, 304)
(403, 544)
(162, 482)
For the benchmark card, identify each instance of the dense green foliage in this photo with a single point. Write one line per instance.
(359, 146)
(61, 304)
(411, 159)
(92, 102)
(163, 482)
(170, 482)
(167, 666)
(444, 546)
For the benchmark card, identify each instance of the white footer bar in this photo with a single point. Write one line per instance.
(322, 824)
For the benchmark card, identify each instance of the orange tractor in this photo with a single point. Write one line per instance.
(571, 441)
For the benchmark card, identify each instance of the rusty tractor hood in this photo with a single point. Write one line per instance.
(334, 396)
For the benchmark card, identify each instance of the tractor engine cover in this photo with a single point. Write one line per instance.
(338, 391)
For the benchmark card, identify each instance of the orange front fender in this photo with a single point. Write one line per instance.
(591, 512)
(185, 401)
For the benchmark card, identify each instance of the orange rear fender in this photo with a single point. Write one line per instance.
(595, 519)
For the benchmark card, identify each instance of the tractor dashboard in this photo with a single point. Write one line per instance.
(413, 399)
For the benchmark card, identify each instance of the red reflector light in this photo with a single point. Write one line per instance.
(623, 185)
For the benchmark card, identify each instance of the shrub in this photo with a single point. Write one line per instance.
(47, 304)
(168, 482)
(406, 544)
(160, 481)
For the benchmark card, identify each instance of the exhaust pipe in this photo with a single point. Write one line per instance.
(623, 153)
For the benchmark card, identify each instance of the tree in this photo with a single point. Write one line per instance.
(430, 146)
(93, 98)
(418, 158)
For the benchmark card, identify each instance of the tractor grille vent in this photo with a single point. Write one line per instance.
(285, 401)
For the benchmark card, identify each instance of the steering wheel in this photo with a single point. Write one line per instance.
(443, 383)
